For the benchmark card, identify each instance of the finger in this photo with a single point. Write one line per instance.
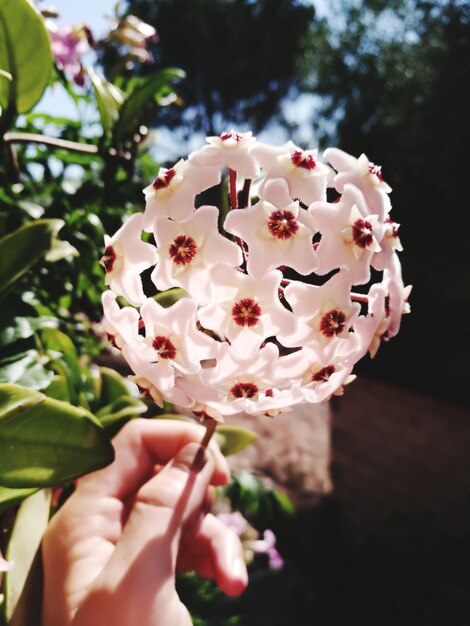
(215, 551)
(149, 545)
(141, 445)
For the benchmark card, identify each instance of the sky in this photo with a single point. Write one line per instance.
(98, 14)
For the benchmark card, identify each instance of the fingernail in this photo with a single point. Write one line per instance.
(239, 571)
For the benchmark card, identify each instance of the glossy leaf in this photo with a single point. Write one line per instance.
(111, 386)
(59, 345)
(58, 388)
(25, 54)
(10, 497)
(22, 583)
(46, 442)
(25, 327)
(121, 410)
(27, 369)
(23, 248)
(232, 439)
(108, 98)
(143, 100)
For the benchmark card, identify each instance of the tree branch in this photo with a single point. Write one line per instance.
(55, 142)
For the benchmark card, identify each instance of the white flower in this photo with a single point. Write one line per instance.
(125, 257)
(349, 236)
(278, 232)
(173, 192)
(306, 176)
(232, 149)
(188, 249)
(364, 175)
(244, 310)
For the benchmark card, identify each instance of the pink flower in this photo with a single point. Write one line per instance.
(68, 46)
(231, 149)
(244, 310)
(325, 314)
(364, 175)
(267, 546)
(120, 325)
(188, 249)
(349, 235)
(306, 176)
(125, 257)
(278, 232)
(173, 192)
(173, 335)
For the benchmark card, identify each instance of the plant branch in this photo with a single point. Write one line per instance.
(65, 144)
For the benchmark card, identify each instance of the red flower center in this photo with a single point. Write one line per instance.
(145, 391)
(333, 323)
(164, 347)
(393, 226)
(362, 233)
(282, 224)
(376, 170)
(246, 312)
(303, 160)
(112, 340)
(183, 250)
(233, 135)
(323, 374)
(164, 180)
(244, 390)
(108, 258)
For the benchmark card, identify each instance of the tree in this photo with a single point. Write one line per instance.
(395, 77)
(241, 57)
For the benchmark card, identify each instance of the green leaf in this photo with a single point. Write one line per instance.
(111, 386)
(23, 248)
(283, 502)
(25, 53)
(25, 369)
(142, 100)
(122, 409)
(25, 327)
(58, 388)
(55, 341)
(10, 497)
(232, 439)
(46, 442)
(23, 582)
(109, 99)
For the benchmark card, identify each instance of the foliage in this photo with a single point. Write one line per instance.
(240, 57)
(394, 82)
(59, 407)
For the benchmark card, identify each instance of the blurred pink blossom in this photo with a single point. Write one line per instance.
(68, 45)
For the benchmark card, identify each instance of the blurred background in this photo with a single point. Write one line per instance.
(380, 477)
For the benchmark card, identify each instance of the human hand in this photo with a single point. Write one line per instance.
(111, 552)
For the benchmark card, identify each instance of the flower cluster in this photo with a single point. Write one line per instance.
(279, 300)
